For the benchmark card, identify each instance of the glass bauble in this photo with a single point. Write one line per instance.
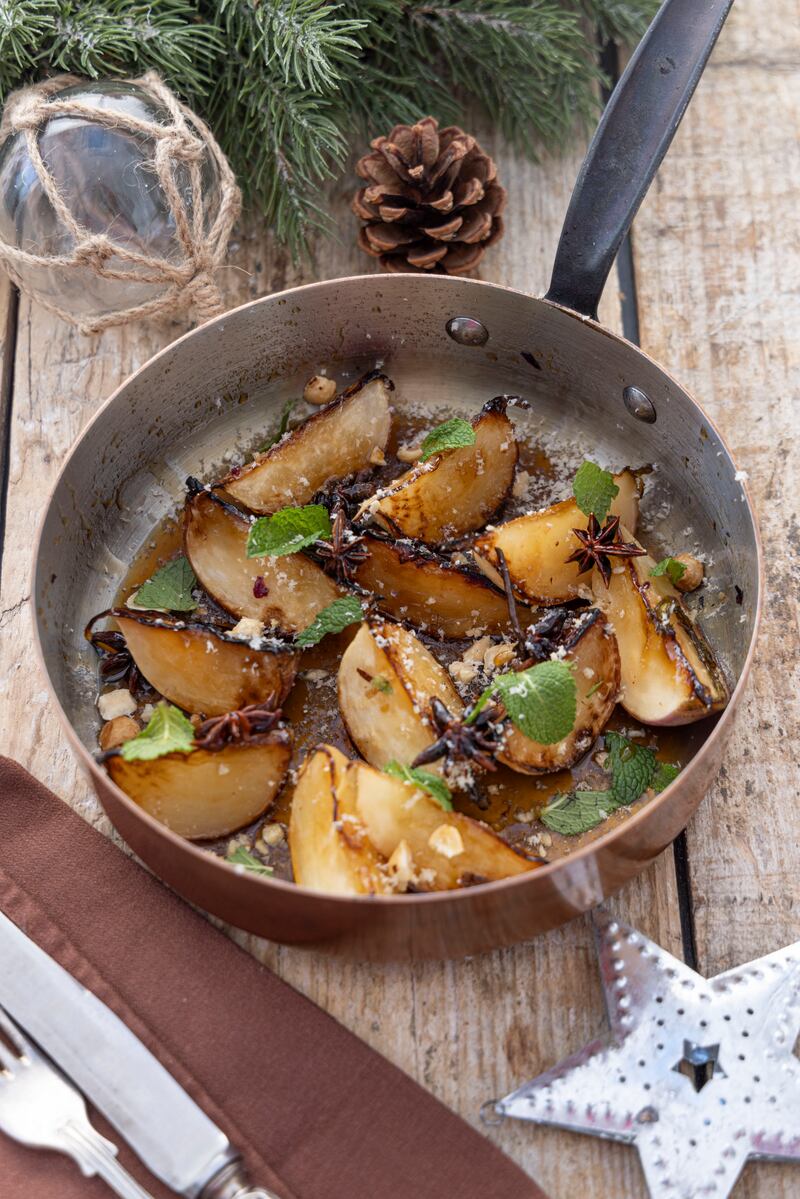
(109, 182)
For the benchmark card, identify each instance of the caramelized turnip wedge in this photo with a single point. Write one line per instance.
(386, 680)
(454, 492)
(330, 850)
(413, 583)
(591, 645)
(287, 592)
(669, 673)
(536, 547)
(207, 793)
(336, 441)
(447, 849)
(203, 669)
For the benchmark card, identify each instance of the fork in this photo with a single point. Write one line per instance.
(39, 1108)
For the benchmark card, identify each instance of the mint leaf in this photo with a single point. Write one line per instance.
(289, 530)
(168, 732)
(665, 772)
(243, 857)
(426, 780)
(578, 811)
(594, 490)
(169, 588)
(670, 567)
(337, 616)
(632, 767)
(452, 435)
(282, 427)
(541, 701)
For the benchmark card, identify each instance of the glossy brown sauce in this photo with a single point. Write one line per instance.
(512, 801)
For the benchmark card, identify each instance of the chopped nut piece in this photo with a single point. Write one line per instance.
(446, 840)
(400, 866)
(463, 672)
(117, 732)
(409, 453)
(319, 390)
(477, 651)
(521, 484)
(248, 629)
(692, 576)
(116, 703)
(497, 656)
(272, 834)
(377, 457)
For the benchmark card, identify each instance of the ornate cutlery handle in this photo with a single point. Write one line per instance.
(232, 1183)
(95, 1155)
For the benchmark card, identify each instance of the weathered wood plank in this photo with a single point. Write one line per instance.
(467, 1030)
(717, 251)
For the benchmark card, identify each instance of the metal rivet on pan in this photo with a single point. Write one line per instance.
(467, 331)
(639, 405)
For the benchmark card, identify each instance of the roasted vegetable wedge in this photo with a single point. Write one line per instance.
(286, 592)
(536, 547)
(447, 849)
(203, 669)
(413, 583)
(386, 680)
(454, 492)
(592, 647)
(330, 850)
(669, 673)
(336, 441)
(207, 793)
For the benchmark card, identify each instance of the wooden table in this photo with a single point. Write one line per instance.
(716, 252)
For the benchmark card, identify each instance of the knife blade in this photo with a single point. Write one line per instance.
(174, 1137)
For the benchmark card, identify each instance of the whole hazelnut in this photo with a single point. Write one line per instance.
(693, 573)
(319, 390)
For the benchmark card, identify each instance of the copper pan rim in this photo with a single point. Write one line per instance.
(629, 827)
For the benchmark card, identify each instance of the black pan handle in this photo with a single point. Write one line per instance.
(633, 136)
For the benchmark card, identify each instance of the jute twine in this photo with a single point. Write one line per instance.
(189, 282)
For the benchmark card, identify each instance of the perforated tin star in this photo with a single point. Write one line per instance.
(699, 1075)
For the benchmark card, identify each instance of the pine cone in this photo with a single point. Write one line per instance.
(431, 203)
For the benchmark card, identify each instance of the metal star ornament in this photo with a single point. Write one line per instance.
(699, 1075)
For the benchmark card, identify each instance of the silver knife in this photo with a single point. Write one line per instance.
(174, 1138)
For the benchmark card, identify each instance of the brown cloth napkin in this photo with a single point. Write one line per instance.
(316, 1113)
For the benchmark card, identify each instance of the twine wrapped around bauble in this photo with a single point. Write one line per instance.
(176, 152)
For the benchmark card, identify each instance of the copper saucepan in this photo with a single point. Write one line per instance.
(455, 342)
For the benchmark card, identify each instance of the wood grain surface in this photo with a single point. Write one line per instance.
(717, 270)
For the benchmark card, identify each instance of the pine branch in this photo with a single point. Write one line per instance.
(287, 84)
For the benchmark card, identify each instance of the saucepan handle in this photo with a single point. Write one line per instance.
(632, 138)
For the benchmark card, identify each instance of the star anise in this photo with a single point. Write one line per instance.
(344, 552)
(457, 741)
(599, 545)
(238, 727)
(116, 663)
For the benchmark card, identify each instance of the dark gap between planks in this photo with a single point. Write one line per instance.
(626, 279)
(6, 406)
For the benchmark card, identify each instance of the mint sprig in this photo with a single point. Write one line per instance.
(452, 435)
(594, 490)
(426, 780)
(342, 612)
(167, 732)
(671, 567)
(287, 531)
(542, 702)
(633, 769)
(170, 588)
(282, 427)
(243, 857)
